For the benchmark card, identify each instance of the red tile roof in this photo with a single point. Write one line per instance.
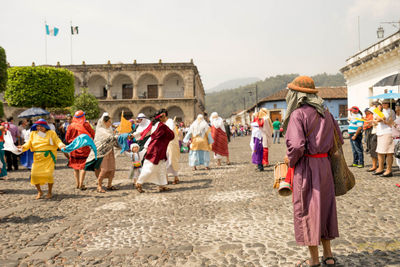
(324, 92)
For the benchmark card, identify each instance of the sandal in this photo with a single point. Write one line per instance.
(111, 188)
(164, 189)
(328, 264)
(100, 190)
(83, 188)
(305, 263)
(176, 181)
(139, 188)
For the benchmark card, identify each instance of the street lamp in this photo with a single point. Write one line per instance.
(380, 32)
(250, 93)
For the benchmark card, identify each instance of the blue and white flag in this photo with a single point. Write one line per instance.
(51, 31)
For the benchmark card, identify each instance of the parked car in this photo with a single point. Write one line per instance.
(344, 127)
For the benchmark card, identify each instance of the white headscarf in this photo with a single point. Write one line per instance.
(199, 127)
(143, 124)
(255, 131)
(217, 121)
(102, 131)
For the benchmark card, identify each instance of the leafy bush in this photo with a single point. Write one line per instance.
(3, 70)
(88, 103)
(39, 87)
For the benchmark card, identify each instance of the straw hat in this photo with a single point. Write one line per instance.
(303, 84)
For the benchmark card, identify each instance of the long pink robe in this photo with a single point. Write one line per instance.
(314, 203)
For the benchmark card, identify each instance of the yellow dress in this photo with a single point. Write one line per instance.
(45, 155)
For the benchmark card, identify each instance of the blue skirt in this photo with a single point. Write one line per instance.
(199, 157)
(27, 159)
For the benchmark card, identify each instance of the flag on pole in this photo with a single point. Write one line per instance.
(74, 30)
(51, 31)
(125, 126)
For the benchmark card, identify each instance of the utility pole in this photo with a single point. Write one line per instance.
(244, 103)
(256, 97)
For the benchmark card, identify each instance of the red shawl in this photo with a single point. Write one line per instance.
(220, 145)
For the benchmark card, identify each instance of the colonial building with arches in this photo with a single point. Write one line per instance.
(142, 88)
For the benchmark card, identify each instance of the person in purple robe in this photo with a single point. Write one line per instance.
(256, 146)
(309, 137)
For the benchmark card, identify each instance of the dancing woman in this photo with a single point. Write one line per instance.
(154, 166)
(43, 142)
(104, 165)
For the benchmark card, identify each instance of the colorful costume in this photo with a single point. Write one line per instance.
(220, 145)
(200, 134)
(256, 146)
(78, 126)
(105, 142)
(44, 146)
(154, 166)
(173, 150)
(265, 124)
(309, 137)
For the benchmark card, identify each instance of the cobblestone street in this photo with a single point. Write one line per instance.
(228, 216)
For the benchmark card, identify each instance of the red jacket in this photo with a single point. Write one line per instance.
(160, 139)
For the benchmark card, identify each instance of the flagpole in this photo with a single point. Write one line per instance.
(71, 40)
(45, 41)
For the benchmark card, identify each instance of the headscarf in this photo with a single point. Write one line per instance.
(199, 127)
(79, 117)
(302, 91)
(255, 131)
(217, 121)
(143, 124)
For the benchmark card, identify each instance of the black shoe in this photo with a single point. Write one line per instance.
(387, 175)
(378, 173)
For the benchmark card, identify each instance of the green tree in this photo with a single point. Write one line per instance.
(88, 103)
(3, 70)
(39, 87)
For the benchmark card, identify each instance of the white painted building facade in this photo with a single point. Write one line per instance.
(366, 68)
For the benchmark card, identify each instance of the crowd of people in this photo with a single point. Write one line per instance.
(380, 125)
(153, 146)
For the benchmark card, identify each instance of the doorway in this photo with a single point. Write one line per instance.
(152, 91)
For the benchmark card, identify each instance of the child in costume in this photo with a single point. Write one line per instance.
(136, 165)
(256, 146)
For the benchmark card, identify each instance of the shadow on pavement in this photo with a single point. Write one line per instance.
(30, 219)
(375, 258)
(205, 184)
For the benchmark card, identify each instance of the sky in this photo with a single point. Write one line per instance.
(227, 39)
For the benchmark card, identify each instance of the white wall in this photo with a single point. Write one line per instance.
(174, 87)
(358, 85)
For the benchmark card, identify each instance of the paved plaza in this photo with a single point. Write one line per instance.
(228, 216)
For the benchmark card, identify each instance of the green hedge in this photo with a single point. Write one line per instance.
(3, 69)
(39, 87)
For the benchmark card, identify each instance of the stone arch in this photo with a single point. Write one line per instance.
(147, 86)
(148, 111)
(128, 114)
(96, 86)
(77, 84)
(175, 111)
(122, 86)
(173, 85)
